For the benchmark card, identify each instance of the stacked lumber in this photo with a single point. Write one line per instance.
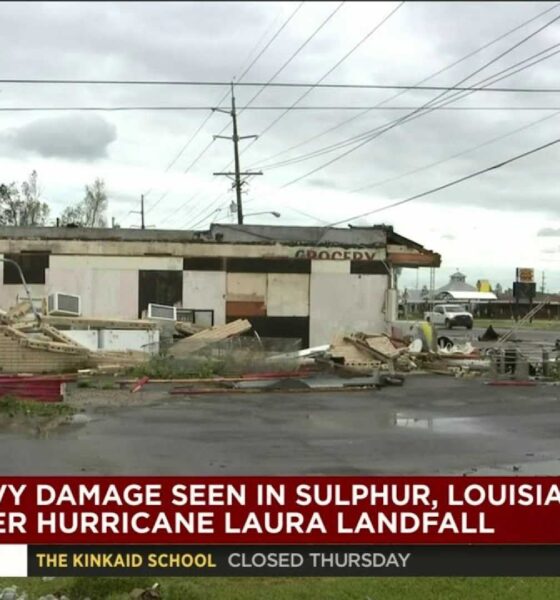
(196, 342)
(187, 329)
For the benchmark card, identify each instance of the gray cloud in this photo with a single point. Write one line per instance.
(548, 232)
(214, 41)
(447, 237)
(71, 136)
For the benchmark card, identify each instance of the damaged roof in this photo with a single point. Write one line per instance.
(324, 236)
(377, 236)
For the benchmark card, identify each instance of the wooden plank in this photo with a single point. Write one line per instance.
(209, 336)
(19, 310)
(188, 328)
(58, 336)
(25, 325)
(53, 346)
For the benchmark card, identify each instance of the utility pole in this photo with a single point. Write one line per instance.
(237, 175)
(543, 280)
(140, 212)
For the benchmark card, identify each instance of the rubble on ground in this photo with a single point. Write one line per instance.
(37, 344)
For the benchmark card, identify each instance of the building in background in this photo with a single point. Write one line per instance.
(293, 282)
(457, 283)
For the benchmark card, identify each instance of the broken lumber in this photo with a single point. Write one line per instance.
(206, 337)
(186, 328)
(18, 311)
(58, 336)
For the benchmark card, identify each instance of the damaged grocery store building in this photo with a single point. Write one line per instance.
(293, 282)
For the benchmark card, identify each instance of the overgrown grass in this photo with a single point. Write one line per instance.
(163, 367)
(253, 588)
(19, 407)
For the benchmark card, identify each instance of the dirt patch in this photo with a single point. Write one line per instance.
(87, 398)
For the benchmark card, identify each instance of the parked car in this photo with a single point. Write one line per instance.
(449, 316)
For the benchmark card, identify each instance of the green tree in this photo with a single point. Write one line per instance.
(22, 207)
(91, 211)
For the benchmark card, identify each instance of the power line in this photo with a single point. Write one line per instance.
(457, 155)
(451, 183)
(179, 154)
(364, 138)
(265, 108)
(271, 79)
(245, 71)
(419, 84)
(379, 130)
(382, 129)
(294, 54)
(176, 212)
(364, 86)
(188, 222)
(333, 68)
(271, 41)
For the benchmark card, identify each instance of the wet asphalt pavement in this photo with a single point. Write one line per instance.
(431, 425)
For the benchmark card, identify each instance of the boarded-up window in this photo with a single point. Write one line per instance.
(33, 265)
(159, 287)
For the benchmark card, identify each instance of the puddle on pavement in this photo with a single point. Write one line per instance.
(454, 425)
(365, 423)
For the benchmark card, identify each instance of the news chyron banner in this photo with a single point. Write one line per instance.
(279, 526)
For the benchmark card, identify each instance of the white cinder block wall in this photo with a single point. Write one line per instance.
(206, 290)
(108, 285)
(287, 295)
(335, 300)
(341, 302)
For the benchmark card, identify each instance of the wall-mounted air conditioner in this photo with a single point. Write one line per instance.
(161, 311)
(64, 305)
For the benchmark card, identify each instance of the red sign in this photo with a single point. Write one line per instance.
(280, 510)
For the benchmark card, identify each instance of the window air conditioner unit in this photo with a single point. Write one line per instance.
(185, 314)
(66, 305)
(160, 311)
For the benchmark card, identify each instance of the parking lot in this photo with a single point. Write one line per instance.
(431, 425)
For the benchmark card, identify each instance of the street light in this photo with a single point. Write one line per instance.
(266, 212)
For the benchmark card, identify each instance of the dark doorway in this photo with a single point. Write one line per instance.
(159, 287)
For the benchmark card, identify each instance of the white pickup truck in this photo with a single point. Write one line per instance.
(449, 316)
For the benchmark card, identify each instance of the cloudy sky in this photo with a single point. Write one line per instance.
(485, 226)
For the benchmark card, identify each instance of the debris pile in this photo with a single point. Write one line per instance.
(360, 353)
(164, 349)
(49, 345)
